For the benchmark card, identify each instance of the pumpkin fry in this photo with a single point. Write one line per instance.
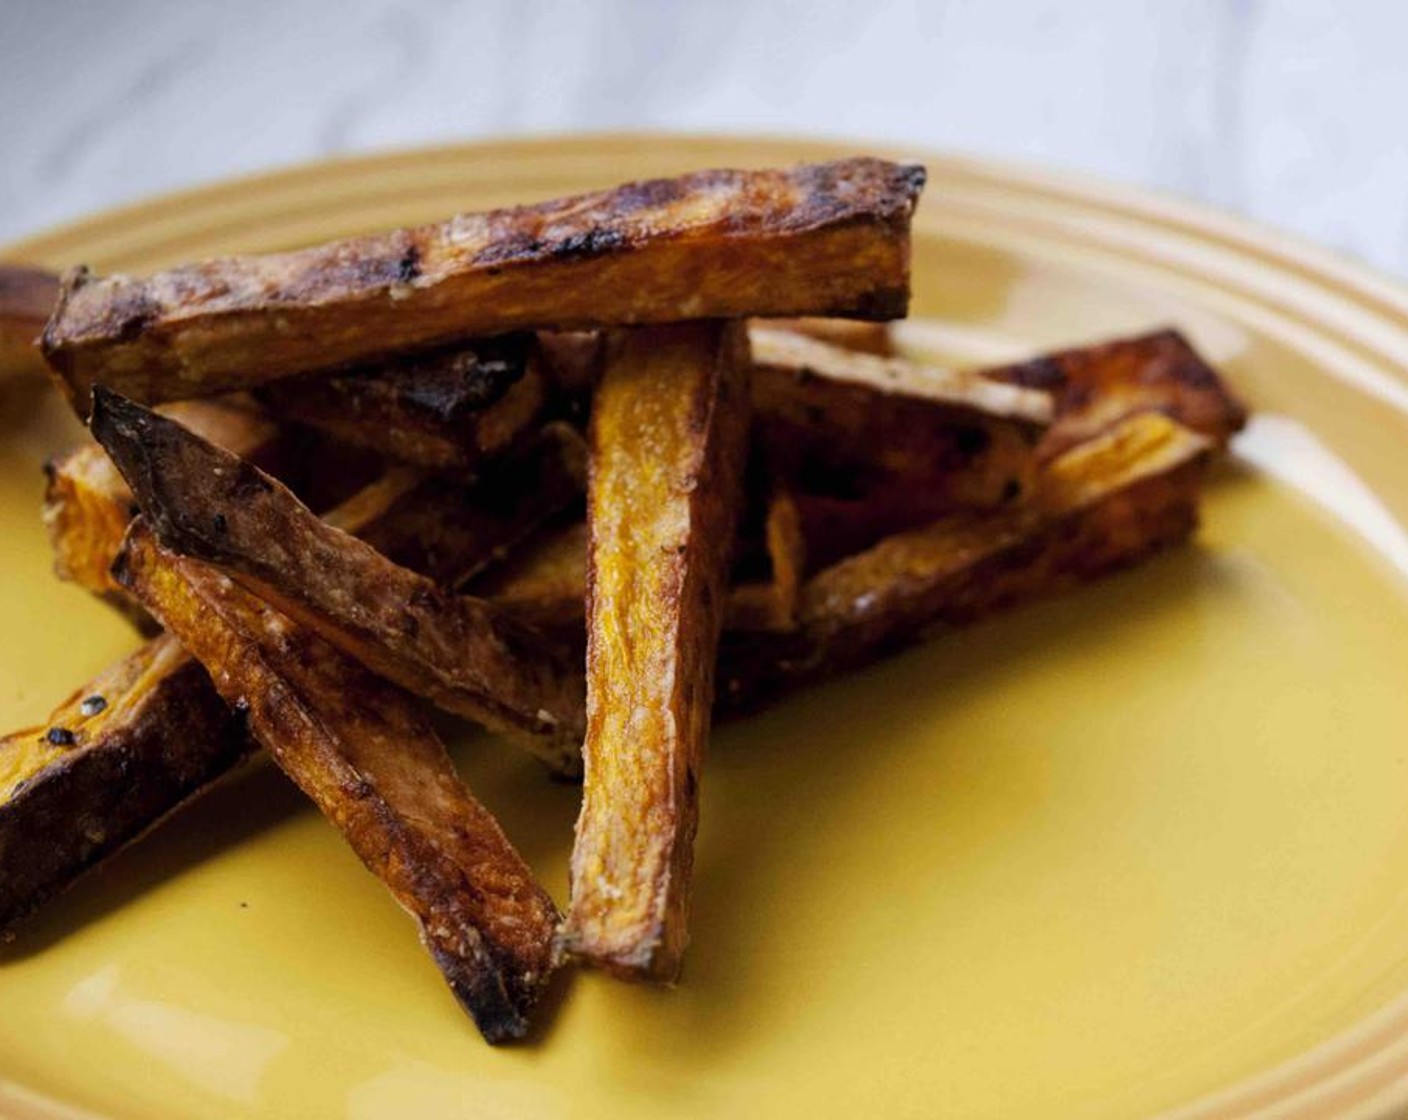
(668, 449)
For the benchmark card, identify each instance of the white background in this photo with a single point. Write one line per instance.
(1294, 112)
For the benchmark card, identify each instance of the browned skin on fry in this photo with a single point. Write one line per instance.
(448, 410)
(792, 371)
(451, 531)
(162, 735)
(855, 411)
(368, 758)
(88, 504)
(442, 528)
(27, 297)
(1102, 505)
(835, 522)
(818, 239)
(759, 667)
(874, 445)
(114, 759)
(669, 444)
(428, 409)
(1097, 386)
(461, 653)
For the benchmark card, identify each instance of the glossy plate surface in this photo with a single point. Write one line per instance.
(1140, 851)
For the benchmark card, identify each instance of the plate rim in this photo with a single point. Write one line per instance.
(1360, 1073)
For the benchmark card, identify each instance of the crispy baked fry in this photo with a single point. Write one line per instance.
(1096, 387)
(27, 297)
(461, 653)
(1024, 555)
(883, 500)
(1128, 493)
(447, 410)
(88, 504)
(668, 444)
(162, 729)
(113, 760)
(819, 239)
(1101, 505)
(360, 749)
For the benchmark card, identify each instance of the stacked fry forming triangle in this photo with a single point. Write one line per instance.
(587, 473)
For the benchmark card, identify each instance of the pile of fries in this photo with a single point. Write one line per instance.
(586, 473)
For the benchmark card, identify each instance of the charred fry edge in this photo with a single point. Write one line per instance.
(88, 504)
(753, 669)
(1096, 387)
(132, 764)
(113, 761)
(461, 653)
(873, 446)
(1105, 504)
(374, 766)
(446, 411)
(818, 239)
(669, 445)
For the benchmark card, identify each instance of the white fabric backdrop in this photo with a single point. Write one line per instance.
(1291, 111)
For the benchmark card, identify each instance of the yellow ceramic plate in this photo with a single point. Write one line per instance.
(1141, 850)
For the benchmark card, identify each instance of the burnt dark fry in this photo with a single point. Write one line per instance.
(819, 239)
(1095, 387)
(459, 652)
(668, 450)
(1102, 505)
(365, 755)
(833, 526)
(88, 504)
(873, 445)
(113, 760)
(449, 410)
(160, 735)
